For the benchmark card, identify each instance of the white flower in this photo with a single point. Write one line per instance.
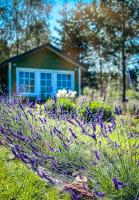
(67, 94)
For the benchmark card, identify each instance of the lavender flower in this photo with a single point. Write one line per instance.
(43, 120)
(72, 133)
(123, 122)
(97, 155)
(118, 184)
(94, 136)
(42, 173)
(100, 194)
(118, 110)
(65, 146)
(94, 127)
(55, 99)
(50, 148)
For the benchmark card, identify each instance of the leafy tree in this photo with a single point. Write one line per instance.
(107, 30)
(24, 25)
(4, 50)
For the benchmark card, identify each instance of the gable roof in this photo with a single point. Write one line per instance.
(46, 46)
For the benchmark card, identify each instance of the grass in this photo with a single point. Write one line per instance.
(17, 182)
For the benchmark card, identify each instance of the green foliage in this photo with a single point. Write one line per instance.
(19, 19)
(66, 104)
(132, 94)
(86, 91)
(113, 93)
(20, 183)
(49, 104)
(94, 108)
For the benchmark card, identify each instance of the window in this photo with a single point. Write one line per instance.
(46, 84)
(43, 83)
(64, 81)
(26, 82)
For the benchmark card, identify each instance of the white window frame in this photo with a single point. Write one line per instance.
(72, 78)
(17, 81)
(38, 79)
(45, 71)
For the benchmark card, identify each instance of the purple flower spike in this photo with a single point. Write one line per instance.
(55, 99)
(97, 155)
(100, 194)
(72, 133)
(94, 136)
(50, 148)
(43, 174)
(123, 122)
(118, 110)
(118, 184)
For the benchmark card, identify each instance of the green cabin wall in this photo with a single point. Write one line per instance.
(4, 76)
(43, 59)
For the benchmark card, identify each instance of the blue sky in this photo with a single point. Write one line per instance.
(55, 14)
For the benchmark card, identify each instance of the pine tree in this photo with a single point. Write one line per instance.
(121, 30)
(108, 28)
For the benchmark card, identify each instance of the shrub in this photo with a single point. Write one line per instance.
(89, 110)
(50, 104)
(65, 104)
(86, 91)
(132, 94)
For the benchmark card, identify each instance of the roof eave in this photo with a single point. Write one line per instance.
(49, 47)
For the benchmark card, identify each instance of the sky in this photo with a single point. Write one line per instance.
(55, 15)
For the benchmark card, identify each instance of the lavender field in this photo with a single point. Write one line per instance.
(92, 155)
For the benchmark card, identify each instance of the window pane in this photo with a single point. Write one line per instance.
(49, 89)
(46, 84)
(42, 89)
(64, 84)
(64, 76)
(42, 75)
(27, 89)
(68, 77)
(32, 89)
(31, 82)
(31, 75)
(59, 76)
(26, 74)
(21, 82)
(42, 82)
(64, 81)
(48, 76)
(21, 74)
(68, 84)
(26, 82)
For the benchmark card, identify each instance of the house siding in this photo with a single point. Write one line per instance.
(4, 76)
(43, 59)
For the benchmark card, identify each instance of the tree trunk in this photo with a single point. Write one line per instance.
(123, 54)
(124, 72)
